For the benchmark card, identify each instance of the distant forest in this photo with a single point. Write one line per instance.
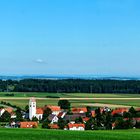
(71, 86)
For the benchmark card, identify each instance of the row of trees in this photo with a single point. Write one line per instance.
(71, 86)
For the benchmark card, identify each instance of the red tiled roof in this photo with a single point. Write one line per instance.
(54, 108)
(53, 126)
(76, 125)
(78, 110)
(119, 110)
(9, 109)
(39, 111)
(28, 124)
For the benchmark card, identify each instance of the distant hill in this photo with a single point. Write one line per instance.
(55, 77)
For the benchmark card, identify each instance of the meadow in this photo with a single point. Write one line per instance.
(40, 134)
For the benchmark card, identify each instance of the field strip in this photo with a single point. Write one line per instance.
(108, 105)
(27, 98)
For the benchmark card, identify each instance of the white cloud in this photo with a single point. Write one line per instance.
(39, 61)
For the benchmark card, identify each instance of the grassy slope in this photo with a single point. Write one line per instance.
(37, 134)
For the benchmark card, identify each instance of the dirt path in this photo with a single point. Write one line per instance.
(27, 98)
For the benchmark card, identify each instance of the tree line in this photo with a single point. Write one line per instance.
(71, 86)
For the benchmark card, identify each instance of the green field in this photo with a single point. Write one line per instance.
(74, 102)
(38, 134)
(69, 95)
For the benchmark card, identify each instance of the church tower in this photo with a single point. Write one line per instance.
(32, 108)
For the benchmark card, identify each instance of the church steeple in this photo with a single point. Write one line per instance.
(32, 108)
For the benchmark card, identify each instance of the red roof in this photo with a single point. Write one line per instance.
(79, 110)
(39, 111)
(9, 109)
(85, 119)
(53, 126)
(54, 108)
(119, 110)
(28, 124)
(76, 125)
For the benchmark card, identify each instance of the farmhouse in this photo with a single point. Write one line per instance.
(55, 109)
(28, 124)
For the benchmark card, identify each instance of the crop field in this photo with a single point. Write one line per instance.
(38, 134)
(76, 99)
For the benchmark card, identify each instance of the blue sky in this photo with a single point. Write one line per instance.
(99, 37)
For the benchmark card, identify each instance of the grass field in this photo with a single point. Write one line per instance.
(74, 102)
(38, 134)
(69, 95)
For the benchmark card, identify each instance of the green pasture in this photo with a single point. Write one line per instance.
(68, 95)
(40, 134)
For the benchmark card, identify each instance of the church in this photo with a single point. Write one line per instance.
(38, 112)
(34, 111)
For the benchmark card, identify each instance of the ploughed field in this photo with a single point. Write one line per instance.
(76, 99)
(42, 134)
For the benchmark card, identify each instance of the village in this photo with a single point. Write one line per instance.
(65, 117)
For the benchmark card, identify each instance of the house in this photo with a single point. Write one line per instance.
(79, 110)
(53, 126)
(55, 109)
(53, 118)
(76, 126)
(28, 124)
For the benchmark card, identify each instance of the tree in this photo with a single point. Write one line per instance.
(89, 124)
(46, 113)
(45, 124)
(6, 116)
(19, 114)
(35, 119)
(27, 108)
(132, 111)
(64, 104)
(79, 120)
(124, 124)
(61, 123)
(108, 121)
